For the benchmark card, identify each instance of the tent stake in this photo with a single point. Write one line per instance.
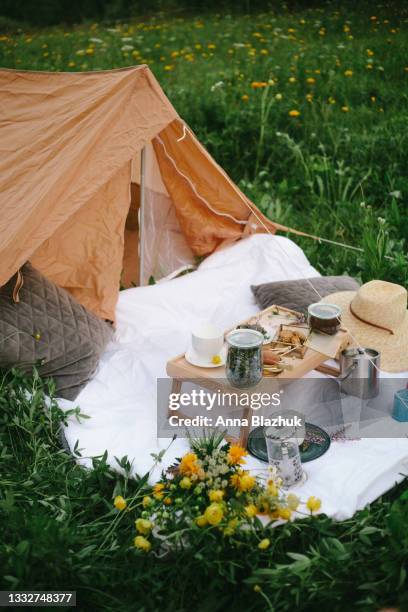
(141, 214)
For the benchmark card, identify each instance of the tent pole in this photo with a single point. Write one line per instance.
(141, 213)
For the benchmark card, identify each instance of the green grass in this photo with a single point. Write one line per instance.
(61, 531)
(338, 170)
(334, 173)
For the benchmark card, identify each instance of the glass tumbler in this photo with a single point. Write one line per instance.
(283, 453)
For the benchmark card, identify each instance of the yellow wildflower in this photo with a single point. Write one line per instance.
(264, 51)
(71, 64)
(309, 97)
(348, 73)
(90, 51)
(231, 527)
(216, 495)
(272, 488)
(211, 46)
(311, 81)
(245, 98)
(292, 79)
(142, 543)
(169, 67)
(258, 84)
(370, 53)
(293, 501)
(243, 481)
(278, 97)
(257, 588)
(158, 490)
(167, 501)
(119, 502)
(201, 521)
(264, 544)
(285, 513)
(294, 113)
(189, 465)
(143, 526)
(313, 503)
(236, 454)
(369, 66)
(147, 501)
(214, 513)
(251, 510)
(185, 483)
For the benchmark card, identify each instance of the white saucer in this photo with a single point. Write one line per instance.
(192, 357)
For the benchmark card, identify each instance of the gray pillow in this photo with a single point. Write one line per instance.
(44, 325)
(298, 294)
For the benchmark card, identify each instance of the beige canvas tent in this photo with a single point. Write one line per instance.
(79, 154)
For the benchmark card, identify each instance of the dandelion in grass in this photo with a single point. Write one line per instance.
(294, 113)
(348, 73)
(345, 109)
(310, 80)
(278, 97)
(245, 97)
(169, 67)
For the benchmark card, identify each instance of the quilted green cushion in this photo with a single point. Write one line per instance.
(48, 328)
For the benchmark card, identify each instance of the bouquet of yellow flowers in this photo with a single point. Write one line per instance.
(208, 488)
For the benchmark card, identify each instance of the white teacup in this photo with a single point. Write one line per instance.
(207, 340)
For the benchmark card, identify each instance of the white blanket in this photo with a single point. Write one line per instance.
(153, 325)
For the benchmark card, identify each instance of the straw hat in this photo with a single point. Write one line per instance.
(376, 316)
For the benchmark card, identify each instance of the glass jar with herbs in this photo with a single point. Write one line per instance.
(244, 358)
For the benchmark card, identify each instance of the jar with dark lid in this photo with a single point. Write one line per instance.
(244, 358)
(325, 318)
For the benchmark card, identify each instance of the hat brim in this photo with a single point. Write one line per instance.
(393, 347)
